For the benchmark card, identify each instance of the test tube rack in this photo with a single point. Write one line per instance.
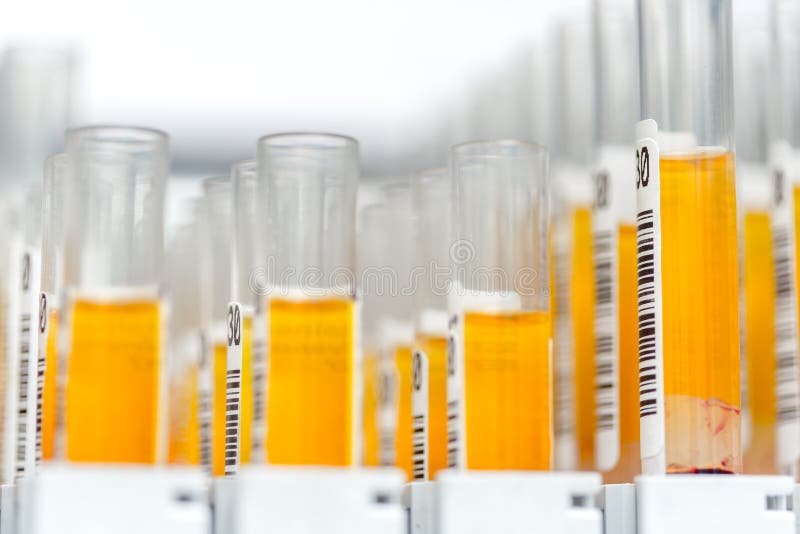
(67, 499)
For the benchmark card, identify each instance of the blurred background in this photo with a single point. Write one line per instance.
(407, 79)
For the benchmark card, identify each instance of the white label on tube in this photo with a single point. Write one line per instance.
(27, 358)
(233, 388)
(387, 408)
(205, 391)
(651, 348)
(45, 301)
(456, 438)
(605, 223)
(786, 336)
(419, 408)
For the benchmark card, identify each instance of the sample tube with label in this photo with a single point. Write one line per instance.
(784, 163)
(757, 278)
(245, 291)
(395, 329)
(687, 256)
(218, 251)
(616, 448)
(431, 197)
(571, 260)
(113, 329)
(308, 183)
(499, 376)
(53, 221)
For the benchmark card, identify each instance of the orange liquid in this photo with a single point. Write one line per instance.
(435, 348)
(218, 411)
(699, 267)
(507, 380)
(630, 463)
(582, 295)
(112, 391)
(371, 399)
(759, 336)
(50, 393)
(310, 393)
(402, 443)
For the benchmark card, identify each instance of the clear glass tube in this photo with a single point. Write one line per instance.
(114, 407)
(218, 250)
(53, 224)
(572, 296)
(246, 261)
(783, 127)
(687, 236)
(499, 391)
(616, 366)
(308, 183)
(432, 199)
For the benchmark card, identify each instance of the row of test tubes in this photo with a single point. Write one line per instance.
(495, 314)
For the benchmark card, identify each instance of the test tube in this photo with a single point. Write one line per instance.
(616, 447)
(432, 200)
(53, 221)
(183, 257)
(113, 313)
(499, 373)
(254, 323)
(572, 268)
(757, 280)
(784, 163)
(309, 182)
(690, 411)
(218, 250)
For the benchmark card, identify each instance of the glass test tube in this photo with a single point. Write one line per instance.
(113, 314)
(244, 290)
(571, 270)
(616, 447)
(687, 242)
(395, 329)
(218, 228)
(309, 182)
(499, 385)
(185, 340)
(784, 163)
(53, 222)
(757, 280)
(431, 196)
(371, 244)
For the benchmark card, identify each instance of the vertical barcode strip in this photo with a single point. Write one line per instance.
(645, 238)
(785, 328)
(232, 399)
(605, 360)
(418, 443)
(259, 356)
(452, 433)
(564, 373)
(24, 377)
(204, 403)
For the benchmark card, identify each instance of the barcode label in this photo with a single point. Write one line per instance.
(648, 239)
(205, 400)
(456, 442)
(566, 455)
(419, 410)
(786, 335)
(41, 368)
(387, 409)
(28, 400)
(259, 355)
(233, 389)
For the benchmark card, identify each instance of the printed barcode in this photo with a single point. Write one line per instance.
(232, 396)
(645, 239)
(259, 393)
(39, 394)
(452, 433)
(24, 377)
(605, 367)
(418, 451)
(785, 327)
(564, 390)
